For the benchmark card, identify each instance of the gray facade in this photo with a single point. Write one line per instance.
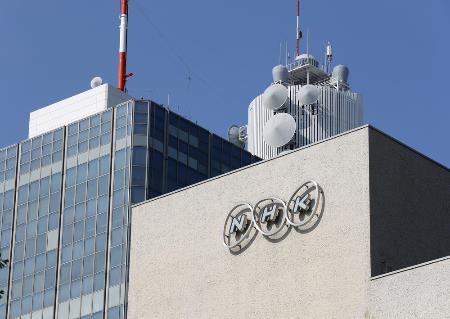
(65, 198)
(331, 270)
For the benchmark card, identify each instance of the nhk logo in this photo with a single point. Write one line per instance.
(272, 215)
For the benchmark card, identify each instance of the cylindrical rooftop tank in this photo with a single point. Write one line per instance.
(340, 73)
(280, 74)
(306, 58)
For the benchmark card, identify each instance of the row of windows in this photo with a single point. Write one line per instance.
(38, 189)
(41, 140)
(93, 132)
(93, 121)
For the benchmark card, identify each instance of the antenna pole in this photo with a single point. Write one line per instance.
(123, 45)
(287, 53)
(299, 33)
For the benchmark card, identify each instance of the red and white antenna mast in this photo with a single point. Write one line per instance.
(123, 45)
(299, 32)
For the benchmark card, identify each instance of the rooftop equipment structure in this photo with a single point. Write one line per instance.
(304, 104)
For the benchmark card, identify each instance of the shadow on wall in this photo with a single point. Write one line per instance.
(280, 227)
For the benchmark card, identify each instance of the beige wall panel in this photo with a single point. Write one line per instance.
(181, 269)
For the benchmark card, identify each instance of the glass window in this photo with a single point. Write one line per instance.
(53, 221)
(64, 292)
(104, 165)
(93, 169)
(99, 281)
(49, 278)
(49, 296)
(95, 131)
(105, 139)
(139, 156)
(140, 129)
(76, 269)
(41, 244)
(66, 254)
(102, 223)
(19, 251)
(140, 118)
(81, 173)
(139, 175)
(119, 159)
(17, 270)
(43, 209)
(137, 194)
(88, 266)
(78, 250)
(75, 289)
(90, 227)
(37, 301)
(55, 183)
(40, 262)
(45, 186)
(26, 304)
(103, 185)
(89, 246)
(27, 285)
(67, 235)
(84, 124)
(34, 191)
(87, 285)
(92, 189)
(39, 281)
(78, 231)
(70, 177)
(65, 273)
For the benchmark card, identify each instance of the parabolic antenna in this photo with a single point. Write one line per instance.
(279, 130)
(97, 81)
(233, 135)
(308, 94)
(275, 97)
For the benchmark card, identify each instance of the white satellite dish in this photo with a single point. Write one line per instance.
(97, 81)
(308, 94)
(279, 130)
(233, 136)
(275, 97)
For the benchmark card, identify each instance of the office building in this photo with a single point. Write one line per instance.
(353, 226)
(66, 195)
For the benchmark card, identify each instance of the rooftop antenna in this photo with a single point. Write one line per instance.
(299, 33)
(279, 57)
(329, 54)
(307, 54)
(122, 76)
(307, 42)
(287, 54)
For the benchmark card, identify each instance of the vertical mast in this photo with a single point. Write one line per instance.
(123, 45)
(299, 33)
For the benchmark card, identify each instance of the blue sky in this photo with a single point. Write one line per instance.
(213, 57)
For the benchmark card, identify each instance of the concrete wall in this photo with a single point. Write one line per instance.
(419, 292)
(181, 269)
(74, 108)
(410, 206)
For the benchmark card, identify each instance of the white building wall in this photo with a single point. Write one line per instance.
(181, 269)
(421, 291)
(74, 108)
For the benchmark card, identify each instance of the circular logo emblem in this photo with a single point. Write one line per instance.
(238, 225)
(302, 205)
(269, 216)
